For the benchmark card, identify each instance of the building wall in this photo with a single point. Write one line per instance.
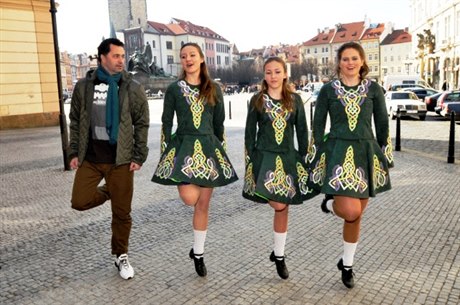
(28, 83)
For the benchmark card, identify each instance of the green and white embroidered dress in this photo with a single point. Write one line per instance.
(275, 170)
(195, 153)
(349, 160)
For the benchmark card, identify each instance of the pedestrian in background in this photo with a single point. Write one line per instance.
(194, 157)
(349, 164)
(109, 122)
(275, 170)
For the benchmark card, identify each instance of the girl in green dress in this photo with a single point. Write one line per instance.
(275, 171)
(349, 164)
(194, 158)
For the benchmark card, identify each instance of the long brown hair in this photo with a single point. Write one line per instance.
(352, 45)
(206, 86)
(287, 99)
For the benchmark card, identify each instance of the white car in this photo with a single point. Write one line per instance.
(407, 103)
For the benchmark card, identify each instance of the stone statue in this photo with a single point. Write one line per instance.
(141, 62)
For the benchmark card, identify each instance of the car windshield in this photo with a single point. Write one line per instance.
(404, 96)
(453, 97)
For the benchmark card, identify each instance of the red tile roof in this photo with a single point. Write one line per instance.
(373, 32)
(348, 32)
(397, 36)
(323, 37)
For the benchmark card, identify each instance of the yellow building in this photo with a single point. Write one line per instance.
(28, 79)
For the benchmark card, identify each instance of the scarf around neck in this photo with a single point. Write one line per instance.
(112, 107)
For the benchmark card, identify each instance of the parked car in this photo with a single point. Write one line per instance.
(407, 102)
(396, 87)
(431, 101)
(421, 92)
(448, 101)
(313, 96)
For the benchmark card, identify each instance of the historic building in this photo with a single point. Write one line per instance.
(29, 85)
(435, 28)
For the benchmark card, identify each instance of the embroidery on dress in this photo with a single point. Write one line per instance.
(196, 105)
(278, 116)
(347, 176)
(198, 165)
(311, 151)
(166, 165)
(380, 176)
(225, 165)
(388, 150)
(278, 182)
(302, 175)
(249, 181)
(163, 144)
(318, 173)
(352, 100)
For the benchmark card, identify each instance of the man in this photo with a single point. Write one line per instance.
(109, 122)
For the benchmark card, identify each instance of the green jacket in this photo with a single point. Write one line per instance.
(134, 120)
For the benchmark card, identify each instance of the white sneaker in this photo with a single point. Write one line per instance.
(124, 267)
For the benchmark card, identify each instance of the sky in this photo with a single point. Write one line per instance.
(249, 24)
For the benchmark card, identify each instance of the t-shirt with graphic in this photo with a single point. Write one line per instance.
(99, 148)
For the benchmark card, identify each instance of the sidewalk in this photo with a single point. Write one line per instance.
(51, 254)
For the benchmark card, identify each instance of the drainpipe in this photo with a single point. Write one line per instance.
(62, 116)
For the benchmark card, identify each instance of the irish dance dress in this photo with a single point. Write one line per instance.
(275, 170)
(195, 153)
(349, 160)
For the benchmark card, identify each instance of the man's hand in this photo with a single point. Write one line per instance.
(74, 163)
(134, 167)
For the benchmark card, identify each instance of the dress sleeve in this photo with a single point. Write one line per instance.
(320, 116)
(219, 116)
(167, 118)
(301, 127)
(382, 125)
(250, 129)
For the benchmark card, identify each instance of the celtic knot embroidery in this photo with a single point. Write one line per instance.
(196, 105)
(278, 116)
(198, 165)
(352, 100)
(249, 183)
(348, 176)
(162, 142)
(318, 173)
(311, 151)
(166, 165)
(225, 165)
(380, 176)
(302, 175)
(388, 150)
(279, 182)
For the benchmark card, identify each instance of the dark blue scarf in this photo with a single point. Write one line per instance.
(112, 107)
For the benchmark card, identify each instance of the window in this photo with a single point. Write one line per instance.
(169, 45)
(153, 44)
(170, 59)
(218, 60)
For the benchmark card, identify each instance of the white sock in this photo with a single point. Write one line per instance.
(199, 238)
(330, 206)
(349, 250)
(280, 243)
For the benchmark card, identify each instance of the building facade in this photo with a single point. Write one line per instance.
(435, 26)
(29, 85)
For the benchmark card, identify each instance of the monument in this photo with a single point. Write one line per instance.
(145, 71)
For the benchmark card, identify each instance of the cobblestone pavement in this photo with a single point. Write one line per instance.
(51, 254)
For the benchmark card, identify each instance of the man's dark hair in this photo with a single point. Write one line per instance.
(104, 47)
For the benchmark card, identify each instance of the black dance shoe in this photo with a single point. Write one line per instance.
(324, 208)
(347, 274)
(200, 268)
(280, 265)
